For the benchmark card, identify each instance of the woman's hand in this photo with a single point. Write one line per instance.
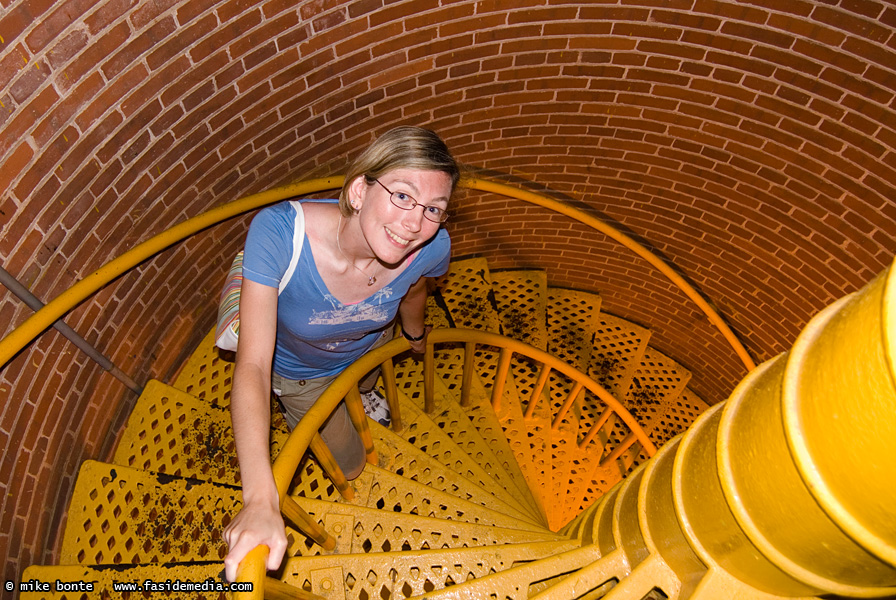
(256, 524)
(419, 346)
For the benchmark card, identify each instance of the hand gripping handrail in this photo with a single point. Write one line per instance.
(301, 437)
(80, 291)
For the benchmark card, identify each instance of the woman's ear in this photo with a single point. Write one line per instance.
(357, 190)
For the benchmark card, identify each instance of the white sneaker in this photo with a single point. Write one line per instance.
(376, 407)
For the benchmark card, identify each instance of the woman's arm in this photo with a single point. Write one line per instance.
(259, 521)
(411, 310)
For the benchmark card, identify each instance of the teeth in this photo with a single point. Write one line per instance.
(401, 241)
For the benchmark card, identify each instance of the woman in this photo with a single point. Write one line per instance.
(363, 261)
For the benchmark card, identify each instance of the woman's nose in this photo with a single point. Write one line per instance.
(413, 219)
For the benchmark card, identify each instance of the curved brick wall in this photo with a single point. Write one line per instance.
(752, 148)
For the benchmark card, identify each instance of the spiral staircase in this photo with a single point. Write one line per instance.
(490, 487)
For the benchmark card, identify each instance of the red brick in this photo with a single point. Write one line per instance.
(105, 14)
(846, 22)
(401, 11)
(15, 164)
(94, 54)
(30, 78)
(50, 26)
(137, 47)
(63, 111)
(169, 47)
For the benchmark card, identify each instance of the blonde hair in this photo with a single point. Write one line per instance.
(403, 147)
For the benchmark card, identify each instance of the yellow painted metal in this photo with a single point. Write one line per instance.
(303, 521)
(706, 517)
(628, 242)
(784, 491)
(839, 388)
(251, 572)
(500, 378)
(274, 589)
(409, 573)
(407, 460)
(388, 374)
(463, 450)
(617, 350)
(80, 291)
(172, 432)
(449, 416)
(359, 420)
(120, 515)
(373, 530)
(328, 463)
(571, 321)
(468, 294)
(381, 489)
(519, 582)
(521, 302)
(207, 374)
(821, 549)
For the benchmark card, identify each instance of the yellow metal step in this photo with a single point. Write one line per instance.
(521, 299)
(617, 350)
(467, 454)
(361, 529)
(467, 292)
(170, 431)
(208, 373)
(520, 581)
(403, 458)
(381, 489)
(489, 426)
(120, 515)
(409, 574)
(468, 446)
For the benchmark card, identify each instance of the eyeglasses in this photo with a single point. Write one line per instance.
(407, 202)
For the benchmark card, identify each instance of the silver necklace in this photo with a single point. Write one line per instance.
(371, 279)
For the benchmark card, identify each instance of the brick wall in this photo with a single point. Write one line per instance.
(751, 147)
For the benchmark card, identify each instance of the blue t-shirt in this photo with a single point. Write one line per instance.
(317, 335)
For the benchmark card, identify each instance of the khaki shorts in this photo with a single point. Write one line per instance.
(298, 396)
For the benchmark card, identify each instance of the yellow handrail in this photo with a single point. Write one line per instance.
(345, 385)
(80, 291)
(610, 231)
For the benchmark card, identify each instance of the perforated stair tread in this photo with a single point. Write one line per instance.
(410, 574)
(120, 515)
(468, 294)
(208, 373)
(481, 414)
(519, 581)
(372, 530)
(617, 350)
(402, 458)
(384, 490)
(571, 320)
(521, 301)
(448, 365)
(170, 431)
(426, 434)
(657, 382)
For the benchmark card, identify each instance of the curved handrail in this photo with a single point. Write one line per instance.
(610, 231)
(301, 437)
(80, 291)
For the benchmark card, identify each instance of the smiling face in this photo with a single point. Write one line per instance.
(393, 233)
